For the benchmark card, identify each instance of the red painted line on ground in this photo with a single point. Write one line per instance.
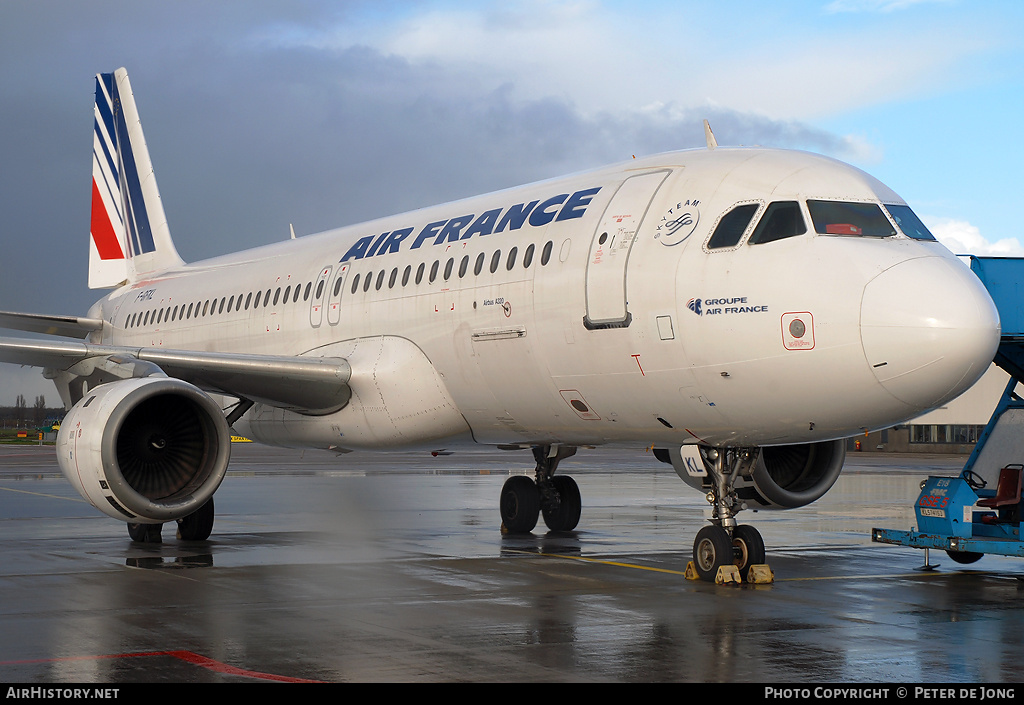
(186, 656)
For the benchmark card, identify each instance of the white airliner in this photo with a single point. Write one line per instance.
(741, 311)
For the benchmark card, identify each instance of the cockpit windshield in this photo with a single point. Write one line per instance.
(846, 218)
(909, 223)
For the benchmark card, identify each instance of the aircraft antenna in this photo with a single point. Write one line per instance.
(709, 135)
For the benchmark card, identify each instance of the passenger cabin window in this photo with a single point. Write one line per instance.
(545, 254)
(846, 218)
(781, 219)
(909, 223)
(732, 226)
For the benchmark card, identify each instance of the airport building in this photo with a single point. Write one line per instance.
(953, 428)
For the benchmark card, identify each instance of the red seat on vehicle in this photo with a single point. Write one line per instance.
(1008, 489)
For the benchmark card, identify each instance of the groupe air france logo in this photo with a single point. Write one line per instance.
(694, 305)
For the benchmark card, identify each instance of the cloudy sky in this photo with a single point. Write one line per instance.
(323, 113)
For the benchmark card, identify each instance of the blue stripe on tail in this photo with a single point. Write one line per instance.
(125, 170)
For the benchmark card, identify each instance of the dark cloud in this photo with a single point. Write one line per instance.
(248, 134)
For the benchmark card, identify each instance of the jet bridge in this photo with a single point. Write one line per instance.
(963, 515)
(1002, 441)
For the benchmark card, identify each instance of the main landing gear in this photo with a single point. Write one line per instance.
(726, 542)
(557, 498)
(197, 526)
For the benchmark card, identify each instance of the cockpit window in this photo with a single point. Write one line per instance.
(781, 219)
(732, 226)
(845, 218)
(909, 223)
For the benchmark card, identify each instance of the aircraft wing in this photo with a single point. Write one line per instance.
(68, 326)
(310, 384)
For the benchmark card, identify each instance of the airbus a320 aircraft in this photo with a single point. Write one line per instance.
(741, 311)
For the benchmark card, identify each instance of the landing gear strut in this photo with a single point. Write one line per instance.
(725, 542)
(523, 501)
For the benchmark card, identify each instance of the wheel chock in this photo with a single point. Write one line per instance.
(691, 572)
(728, 574)
(760, 574)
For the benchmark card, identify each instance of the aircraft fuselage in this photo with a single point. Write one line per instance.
(593, 310)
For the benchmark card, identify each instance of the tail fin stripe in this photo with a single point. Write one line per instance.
(136, 217)
(107, 153)
(103, 126)
(104, 106)
(102, 230)
(133, 236)
(103, 185)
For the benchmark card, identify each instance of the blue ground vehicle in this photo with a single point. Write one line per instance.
(963, 515)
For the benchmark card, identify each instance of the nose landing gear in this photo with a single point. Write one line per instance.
(725, 542)
(714, 547)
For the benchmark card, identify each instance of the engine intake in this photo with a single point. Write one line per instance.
(145, 450)
(782, 477)
(786, 477)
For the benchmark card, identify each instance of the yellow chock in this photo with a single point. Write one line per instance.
(728, 574)
(691, 572)
(760, 574)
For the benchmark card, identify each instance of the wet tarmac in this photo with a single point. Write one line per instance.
(392, 568)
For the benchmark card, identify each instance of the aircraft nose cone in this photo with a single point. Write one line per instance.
(929, 330)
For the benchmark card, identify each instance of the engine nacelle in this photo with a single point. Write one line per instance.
(783, 477)
(786, 477)
(145, 450)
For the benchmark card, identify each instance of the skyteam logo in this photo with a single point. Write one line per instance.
(679, 223)
(694, 305)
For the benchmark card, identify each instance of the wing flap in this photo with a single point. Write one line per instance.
(314, 385)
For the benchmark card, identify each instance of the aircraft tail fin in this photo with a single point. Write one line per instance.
(129, 235)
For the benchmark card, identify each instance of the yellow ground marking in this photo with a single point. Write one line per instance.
(865, 577)
(598, 560)
(619, 564)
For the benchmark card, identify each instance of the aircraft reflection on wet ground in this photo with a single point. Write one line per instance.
(392, 568)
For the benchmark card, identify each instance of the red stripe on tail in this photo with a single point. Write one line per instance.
(103, 234)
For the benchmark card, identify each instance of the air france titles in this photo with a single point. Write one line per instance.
(535, 213)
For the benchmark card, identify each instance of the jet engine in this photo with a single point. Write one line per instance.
(782, 477)
(145, 450)
(786, 477)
